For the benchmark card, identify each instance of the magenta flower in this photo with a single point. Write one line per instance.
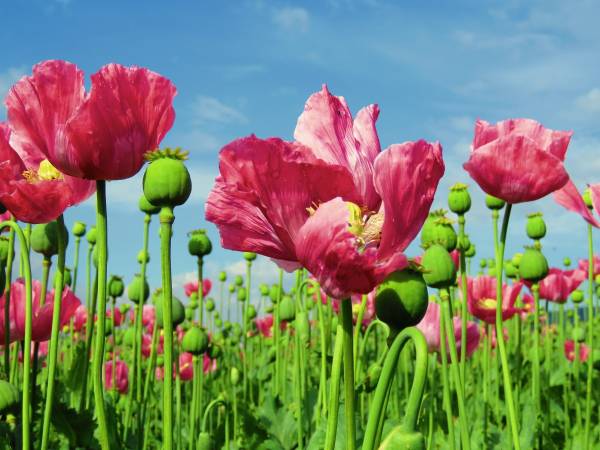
(101, 135)
(331, 201)
(121, 376)
(192, 287)
(518, 160)
(583, 265)
(570, 198)
(481, 298)
(584, 351)
(559, 284)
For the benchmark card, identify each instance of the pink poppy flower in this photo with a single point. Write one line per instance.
(559, 284)
(265, 325)
(186, 366)
(584, 263)
(481, 298)
(192, 286)
(121, 376)
(118, 316)
(42, 315)
(349, 231)
(80, 318)
(584, 351)
(518, 160)
(30, 187)
(101, 135)
(570, 198)
(528, 306)
(369, 313)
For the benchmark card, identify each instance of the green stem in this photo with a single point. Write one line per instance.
(447, 403)
(53, 350)
(7, 287)
(88, 328)
(76, 263)
(276, 333)
(359, 320)
(590, 340)
(97, 363)
(508, 394)
(334, 392)
(535, 367)
(349, 400)
(463, 304)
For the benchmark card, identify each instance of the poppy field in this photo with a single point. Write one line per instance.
(359, 342)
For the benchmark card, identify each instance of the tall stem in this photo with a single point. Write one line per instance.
(102, 231)
(535, 367)
(140, 313)
(463, 304)
(76, 263)
(508, 394)
(346, 319)
(334, 392)
(7, 286)
(590, 339)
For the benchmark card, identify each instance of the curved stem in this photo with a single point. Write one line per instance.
(7, 287)
(53, 350)
(211, 405)
(387, 374)
(508, 394)
(101, 227)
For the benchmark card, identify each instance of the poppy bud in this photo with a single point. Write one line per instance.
(167, 181)
(242, 294)
(250, 312)
(193, 304)
(210, 304)
(195, 341)
(160, 361)
(440, 271)
(373, 374)
(146, 207)
(578, 334)
(134, 290)
(459, 200)
(483, 263)
(238, 280)
(177, 312)
(536, 227)
(494, 203)
(439, 231)
(143, 257)
(399, 438)
(510, 270)
(116, 287)
(516, 259)
(236, 329)
(204, 441)
(125, 308)
(577, 296)
(463, 243)
(9, 395)
(44, 238)
(287, 309)
(402, 298)
(249, 256)
(269, 309)
(199, 244)
(534, 266)
(567, 261)
(222, 276)
(302, 326)
(587, 198)
(264, 289)
(471, 251)
(66, 277)
(218, 322)
(274, 293)
(234, 376)
(78, 229)
(91, 235)
(129, 337)
(231, 288)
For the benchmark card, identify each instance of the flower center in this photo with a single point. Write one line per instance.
(487, 303)
(366, 227)
(45, 172)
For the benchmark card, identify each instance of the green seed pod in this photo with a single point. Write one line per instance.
(160, 361)
(234, 376)
(399, 438)
(494, 203)
(236, 329)
(274, 293)
(269, 309)
(231, 288)
(134, 290)
(516, 260)
(483, 263)
(373, 374)
(143, 257)
(108, 328)
(491, 263)
(66, 278)
(129, 337)
(195, 341)
(287, 309)
(302, 325)
(251, 312)
(146, 207)
(199, 244)
(534, 266)
(193, 304)
(510, 270)
(167, 181)
(429, 225)
(238, 280)
(587, 198)
(44, 238)
(177, 312)
(578, 334)
(125, 308)
(577, 296)
(218, 322)
(222, 276)
(189, 314)
(440, 232)
(78, 229)
(91, 235)
(210, 304)
(459, 200)
(204, 441)
(471, 251)
(249, 256)
(242, 294)
(9, 396)
(440, 271)
(536, 227)
(401, 300)
(116, 287)
(264, 289)
(567, 262)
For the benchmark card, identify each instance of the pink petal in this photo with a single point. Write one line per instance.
(327, 128)
(328, 250)
(516, 170)
(595, 192)
(570, 198)
(127, 113)
(430, 326)
(406, 177)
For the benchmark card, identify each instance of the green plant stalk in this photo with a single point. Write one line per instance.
(149, 375)
(447, 403)
(323, 372)
(590, 340)
(576, 363)
(89, 332)
(454, 367)
(463, 303)
(486, 378)
(359, 320)
(76, 263)
(179, 425)
(508, 394)
(349, 395)
(26, 399)
(535, 367)
(53, 349)
(334, 389)
(193, 409)
(140, 315)
(101, 226)
(298, 392)
(276, 333)
(7, 287)
(377, 411)
(166, 221)
(245, 326)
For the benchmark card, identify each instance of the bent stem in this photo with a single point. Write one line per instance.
(377, 411)
(58, 290)
(508, 393)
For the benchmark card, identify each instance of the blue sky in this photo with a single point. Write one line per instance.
(244, 67)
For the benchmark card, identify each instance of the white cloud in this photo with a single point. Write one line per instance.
(9, 77)
(210, 109)
(590, 101)
(292, 19)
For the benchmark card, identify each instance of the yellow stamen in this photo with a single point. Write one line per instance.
(45, 172)
(488, 303)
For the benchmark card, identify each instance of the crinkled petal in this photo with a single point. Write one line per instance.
(406, 178)
(127, 113)
(570, 198)
(328, 250)
(516, 169)
(430, 326)
(595, 192)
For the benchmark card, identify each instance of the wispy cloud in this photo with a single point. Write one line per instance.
(210, 109)
(9, 77)
(590, 101)
(292, 19)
